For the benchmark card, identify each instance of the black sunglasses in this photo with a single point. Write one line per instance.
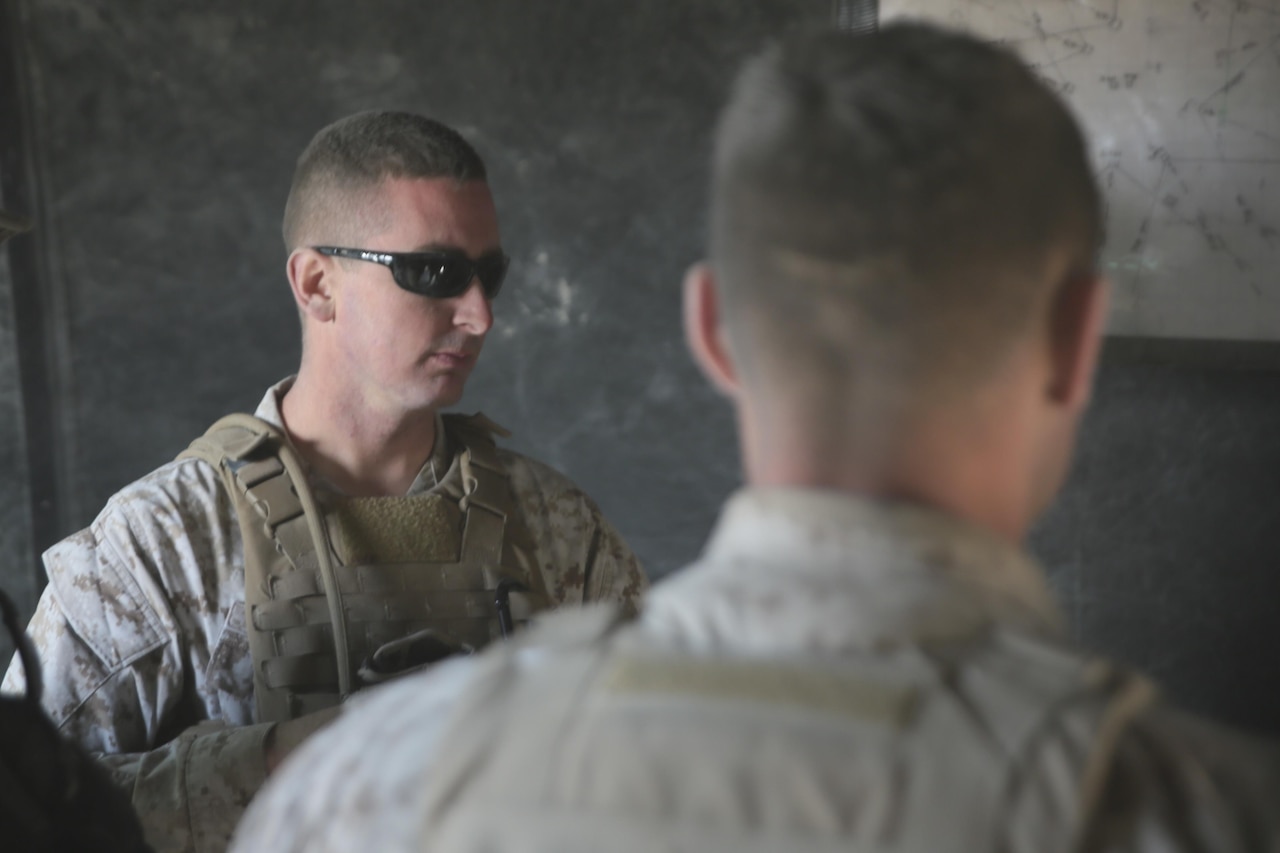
(440, 274)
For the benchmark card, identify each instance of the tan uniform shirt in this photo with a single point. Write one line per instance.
(141, 631)
(788, 576)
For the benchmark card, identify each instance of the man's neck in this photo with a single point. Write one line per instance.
(968, 477)
(362, 448)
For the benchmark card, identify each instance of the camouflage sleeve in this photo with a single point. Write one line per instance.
(103, 653)
(190, 793)
(613, 572)
(582, 557)
(125, 631)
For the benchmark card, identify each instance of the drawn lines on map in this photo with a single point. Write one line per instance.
(1238, 63)
(1169, 202)
(1181, 103)
(1063, 41)
(1050, 44)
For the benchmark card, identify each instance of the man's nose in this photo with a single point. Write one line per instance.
(473, 310)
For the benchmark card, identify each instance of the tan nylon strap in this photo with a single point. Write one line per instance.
(293, 540)
(244, 435)
(487, 486)
(301, 488)
(236, 441)
(827, 691)
(297, 584)
(278, 615)
(374, 607)
(304, 640)
(487, 504)
(275, 500)
(298, 670)
(1135, 697)
(482, 536)
(252, 473)
(444, 604)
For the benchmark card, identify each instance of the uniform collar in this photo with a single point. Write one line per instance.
(431, 473)
(793, 569)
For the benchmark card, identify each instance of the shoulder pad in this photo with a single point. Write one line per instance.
(236, 436)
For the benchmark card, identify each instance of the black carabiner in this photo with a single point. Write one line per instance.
(502, 602)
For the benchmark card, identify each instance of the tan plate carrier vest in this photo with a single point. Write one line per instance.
(605, 734)
(327, 586)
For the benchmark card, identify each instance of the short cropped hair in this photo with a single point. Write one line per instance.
(346, 161)
(893, 201)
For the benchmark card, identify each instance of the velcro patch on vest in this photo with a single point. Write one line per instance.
(827, 692)
(412, 529)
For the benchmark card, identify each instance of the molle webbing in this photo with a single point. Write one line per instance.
(428, 562)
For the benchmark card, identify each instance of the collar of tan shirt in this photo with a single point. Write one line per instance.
(806, 571)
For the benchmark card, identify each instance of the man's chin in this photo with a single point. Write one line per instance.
(442, 394)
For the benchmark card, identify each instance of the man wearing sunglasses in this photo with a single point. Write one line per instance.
(219, 610)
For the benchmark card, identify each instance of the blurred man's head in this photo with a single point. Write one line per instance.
(903, 236)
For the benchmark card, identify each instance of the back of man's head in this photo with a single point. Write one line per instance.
(332, 200)
(890, 214)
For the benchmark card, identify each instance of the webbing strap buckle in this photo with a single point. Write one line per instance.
(483, 486)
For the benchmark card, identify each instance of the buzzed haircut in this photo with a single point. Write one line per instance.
(348, 160)
(892, 203)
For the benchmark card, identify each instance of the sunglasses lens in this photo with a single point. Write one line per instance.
(447, 276)
(492, 269)
(443, 276)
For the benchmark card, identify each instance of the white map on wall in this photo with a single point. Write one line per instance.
(1182, 104)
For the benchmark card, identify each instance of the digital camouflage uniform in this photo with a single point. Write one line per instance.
(833, 674)
(142, 629)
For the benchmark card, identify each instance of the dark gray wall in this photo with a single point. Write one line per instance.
(164, 135)
(167, 137)
(1164, 546)
(18, 575)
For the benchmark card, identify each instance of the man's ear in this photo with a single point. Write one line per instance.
(704, 332)
(311, 279)
(1076, 326)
